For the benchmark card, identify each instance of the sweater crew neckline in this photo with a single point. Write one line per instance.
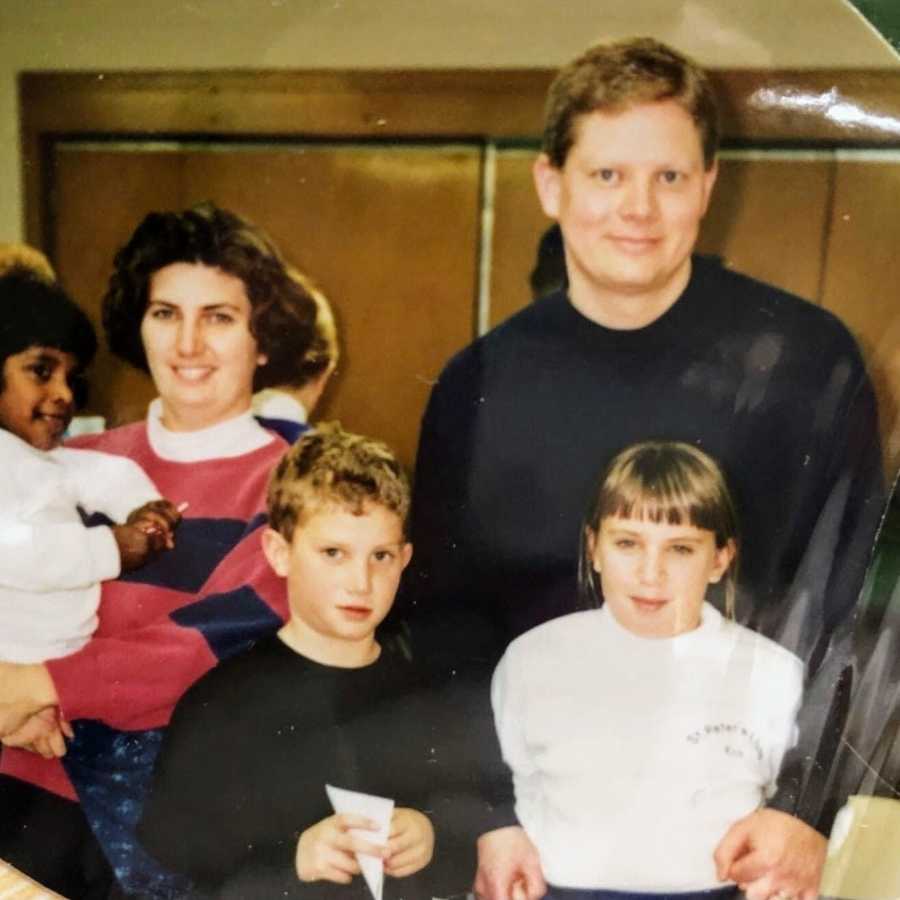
(677, 324)
(236, 436)
(285, 649)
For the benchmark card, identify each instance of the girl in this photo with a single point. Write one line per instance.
(639, 731)
(51, 564)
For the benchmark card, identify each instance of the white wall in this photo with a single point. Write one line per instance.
(105, 35)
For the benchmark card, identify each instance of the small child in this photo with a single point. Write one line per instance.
(639, 732)
(51, 564)
(238, 802)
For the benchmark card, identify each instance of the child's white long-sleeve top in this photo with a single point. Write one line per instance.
(631, 756)
(51, 565)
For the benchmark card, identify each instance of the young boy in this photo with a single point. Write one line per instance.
(51, 564)
(238, 802)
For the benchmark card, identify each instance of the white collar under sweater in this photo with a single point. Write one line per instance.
(234, 437)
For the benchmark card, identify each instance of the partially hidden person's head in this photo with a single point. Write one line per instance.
(337, 505)
(661, 527)
(24, 256)
(321, 358)
(46, 343)
(549, 272)
(627, 167)
(204, 302)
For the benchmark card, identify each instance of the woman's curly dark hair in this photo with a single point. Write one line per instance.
(282, 311)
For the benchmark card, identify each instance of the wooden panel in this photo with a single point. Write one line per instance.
(825, 108)
(768, 218)
(850, 107)
(390, 235)
(388, 232)
(519, 223)
(863, 272)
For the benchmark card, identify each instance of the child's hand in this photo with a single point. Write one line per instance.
(43, 733)
(157, 519)
(325, 850)
(411, 843)
(135, 546)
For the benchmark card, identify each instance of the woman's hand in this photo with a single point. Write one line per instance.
(44, 733)
(410, 844)
(24, 690)
(325, 851)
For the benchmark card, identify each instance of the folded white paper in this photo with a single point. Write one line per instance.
(378, 809)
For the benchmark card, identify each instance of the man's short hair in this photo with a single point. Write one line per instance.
(333, 467)
(282, 313)
(614, 77)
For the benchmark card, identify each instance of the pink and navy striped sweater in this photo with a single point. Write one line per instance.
(164, 625)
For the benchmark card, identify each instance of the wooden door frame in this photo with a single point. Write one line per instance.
(848, 108)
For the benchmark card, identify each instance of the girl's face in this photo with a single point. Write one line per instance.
(654, 575)
(201, 354)
(36, 403)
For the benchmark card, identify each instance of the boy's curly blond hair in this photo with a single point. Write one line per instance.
(333, 467)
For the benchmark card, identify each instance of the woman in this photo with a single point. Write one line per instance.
(204, 302)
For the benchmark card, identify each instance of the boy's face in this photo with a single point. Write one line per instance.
(654, 575)
(36, 403)
(342, 574)
(629, 200)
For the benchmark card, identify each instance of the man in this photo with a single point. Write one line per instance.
(649, 342)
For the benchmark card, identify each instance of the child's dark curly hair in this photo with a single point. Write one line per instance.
(282, 316)
(36, 312)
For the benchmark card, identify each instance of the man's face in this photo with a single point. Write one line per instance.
(629, 200)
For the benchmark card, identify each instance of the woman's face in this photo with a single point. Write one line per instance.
(201, 354)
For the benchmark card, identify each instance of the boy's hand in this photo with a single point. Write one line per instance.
(44, 733)
(325, 850)
(411, 843)
(158, 519)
